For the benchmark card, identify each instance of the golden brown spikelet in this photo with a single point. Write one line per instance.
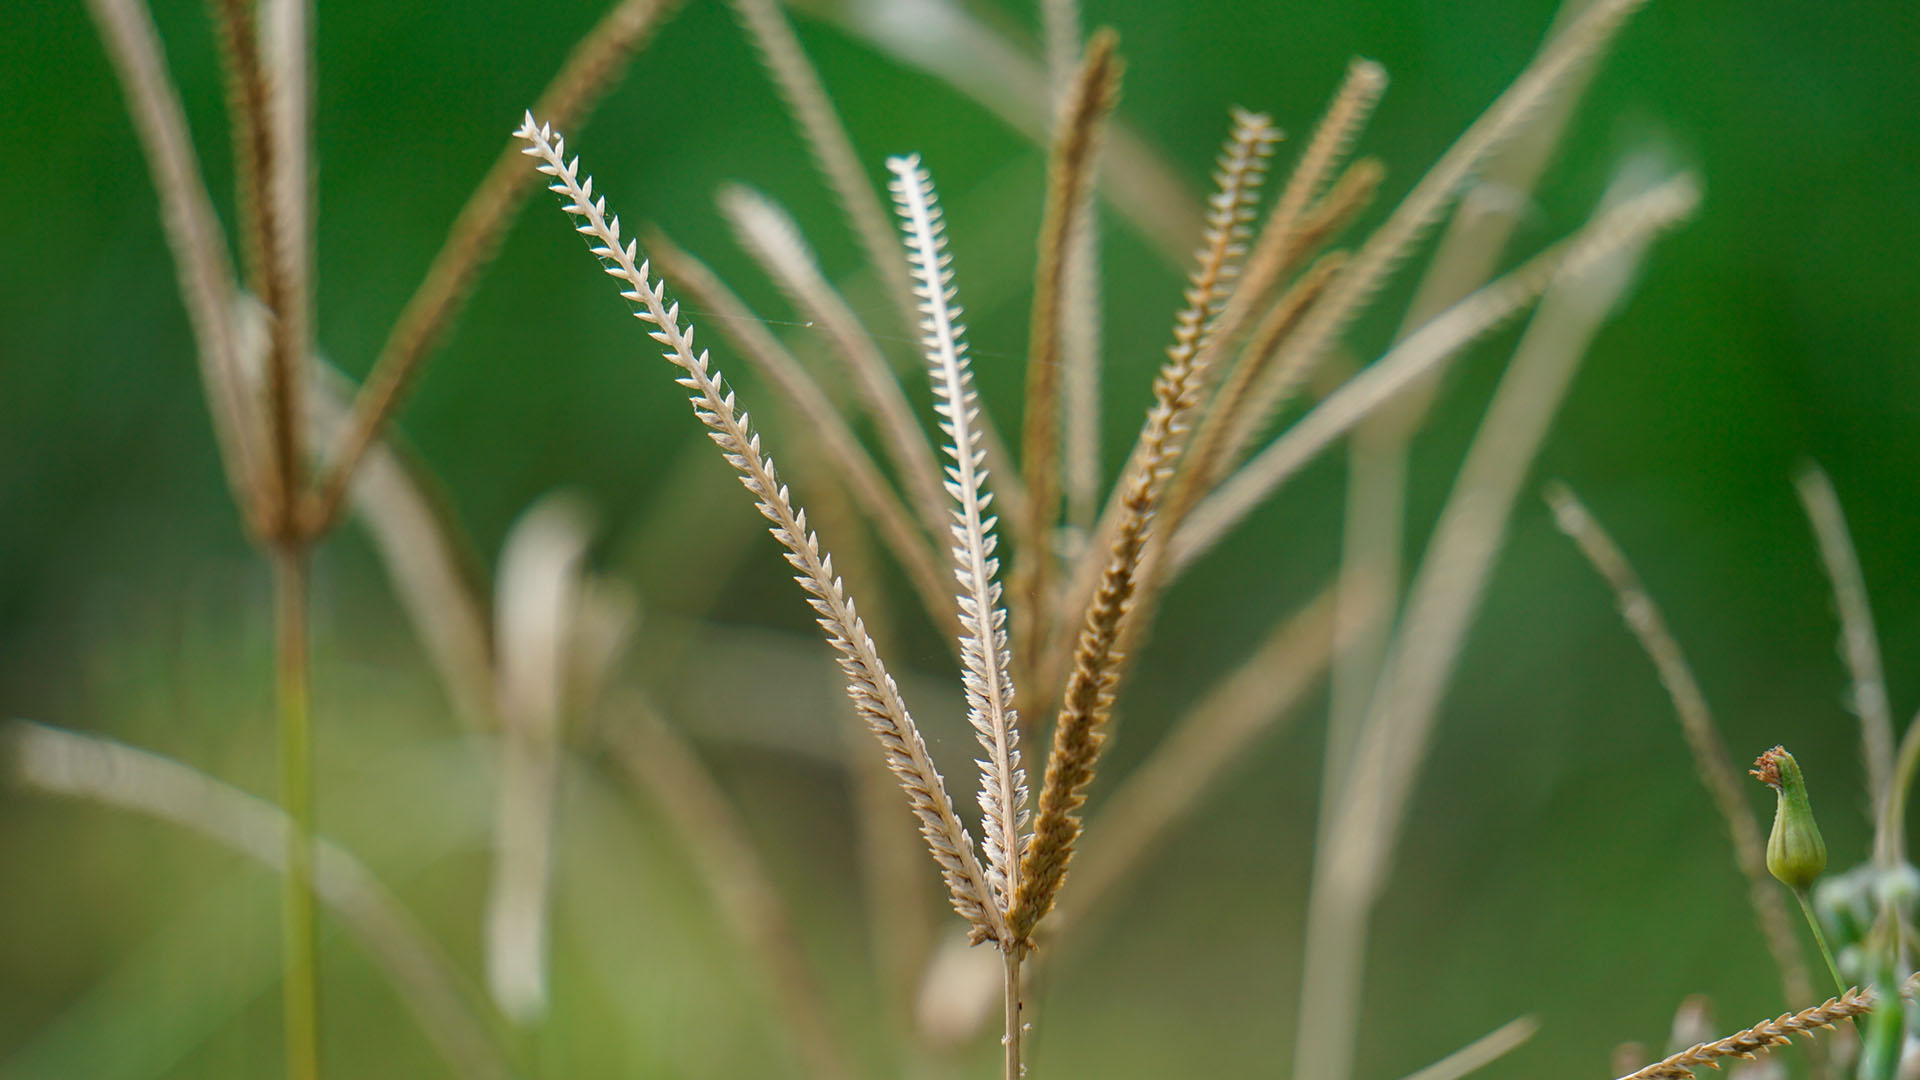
(1092, 96)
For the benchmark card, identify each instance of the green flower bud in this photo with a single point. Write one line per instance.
(1795, 853)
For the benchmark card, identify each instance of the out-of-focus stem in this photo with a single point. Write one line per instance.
(300, 992)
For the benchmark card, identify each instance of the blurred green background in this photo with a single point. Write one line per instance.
(1561, 859)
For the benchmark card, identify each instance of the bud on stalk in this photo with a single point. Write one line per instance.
(1795, 853)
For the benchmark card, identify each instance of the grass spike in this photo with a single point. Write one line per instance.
(986, 658)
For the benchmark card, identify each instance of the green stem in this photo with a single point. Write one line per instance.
(300, 993)
(1820, 939)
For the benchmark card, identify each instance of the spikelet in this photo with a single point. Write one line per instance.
(983, 645)
(1241, 167)
(1283, 240)
(872, 689)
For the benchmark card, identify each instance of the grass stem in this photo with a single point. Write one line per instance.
(300, 996)
(1011, 1041)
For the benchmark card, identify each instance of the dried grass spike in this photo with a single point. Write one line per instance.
(193, 234)
(893, 522)
(983, 646)
(1076, 143)
(1240, 169)
(1281, 238)
(1435, 192)
(1760, 1038)
(871, 688)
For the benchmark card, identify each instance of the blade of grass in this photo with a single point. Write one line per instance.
(541, 592)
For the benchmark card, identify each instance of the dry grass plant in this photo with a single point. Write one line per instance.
(1267, 302)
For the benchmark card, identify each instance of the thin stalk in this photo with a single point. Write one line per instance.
(300, 992)
(1859, 646)
(1011, 1040)
(1076, 145)
(1893, 812)
(1820, 939)
(1481, 1052)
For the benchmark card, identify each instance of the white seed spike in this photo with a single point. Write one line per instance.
(983, 646)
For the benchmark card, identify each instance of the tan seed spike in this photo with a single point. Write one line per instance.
(1076, 143)
(1763, 1037)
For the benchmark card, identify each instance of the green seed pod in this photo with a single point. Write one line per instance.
(1795, 853)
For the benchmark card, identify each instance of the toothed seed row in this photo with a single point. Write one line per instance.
(986, 658)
